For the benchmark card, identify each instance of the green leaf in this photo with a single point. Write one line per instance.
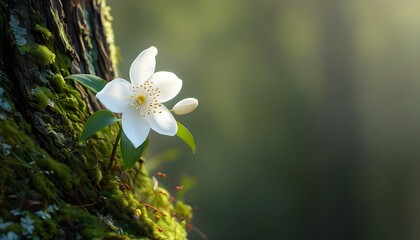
(96, 122)
(186, 136)
(92, 82)
(129, 154)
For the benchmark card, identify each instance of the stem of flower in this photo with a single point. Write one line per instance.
(114, 147)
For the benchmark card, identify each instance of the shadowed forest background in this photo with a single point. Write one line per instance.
(309, 119)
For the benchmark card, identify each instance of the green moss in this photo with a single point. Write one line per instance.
(53, 179)
(63, 63)
(73, 103)
(42, 55)
(15, 227)
(15, 137)
(90, 225)
(183, 210)
(110, 37)
(41, 98)
(59, 171)
(43, 186)
(61, 32)
(24, 49)
(58, 82)
(97, 175)
(43, 31)
(73, 175)
(115, 237)
(45, 228)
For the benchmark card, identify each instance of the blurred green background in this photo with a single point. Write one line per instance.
(309, 119)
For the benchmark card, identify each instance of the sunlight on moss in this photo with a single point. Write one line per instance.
(43, 55)
(52, 185)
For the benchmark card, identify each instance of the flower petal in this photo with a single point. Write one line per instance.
(134, 127)
(143, 66)
(115, 95)
(168, 84)
(163, 122)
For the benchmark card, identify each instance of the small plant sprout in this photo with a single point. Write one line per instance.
(140, 103)
(185, 106)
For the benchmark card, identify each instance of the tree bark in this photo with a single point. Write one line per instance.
(52, 186)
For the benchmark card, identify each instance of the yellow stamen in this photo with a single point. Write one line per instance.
(141, 99)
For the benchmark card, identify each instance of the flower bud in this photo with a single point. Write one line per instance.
(185, 106)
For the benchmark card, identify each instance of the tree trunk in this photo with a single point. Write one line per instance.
(52, 186)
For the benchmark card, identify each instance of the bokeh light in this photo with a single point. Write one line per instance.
(308, 125)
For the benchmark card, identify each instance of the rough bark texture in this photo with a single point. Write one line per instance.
(52, 186)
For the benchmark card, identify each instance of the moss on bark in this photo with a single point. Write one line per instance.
(52, 186)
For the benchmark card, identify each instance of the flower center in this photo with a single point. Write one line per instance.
(141, 99)
(144, 99)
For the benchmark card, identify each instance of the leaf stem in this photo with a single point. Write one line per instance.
(114, 147)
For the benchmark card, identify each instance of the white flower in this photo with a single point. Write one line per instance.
(185, 106)
(140, 101)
